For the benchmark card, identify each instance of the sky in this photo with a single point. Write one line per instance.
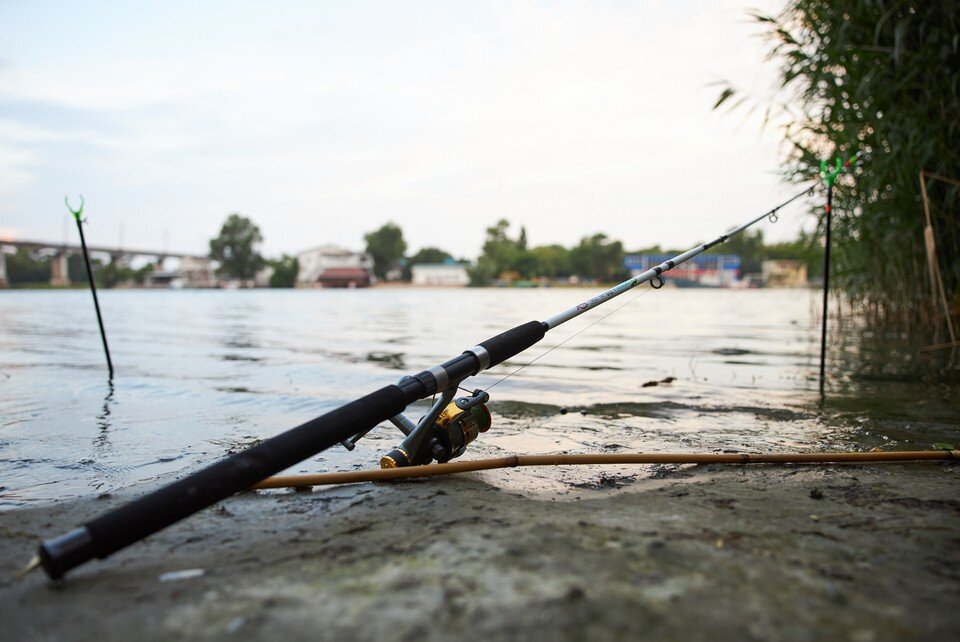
(321, 121)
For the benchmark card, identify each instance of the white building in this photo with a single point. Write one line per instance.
(197, 272)
(334, 264)
(446, 274)
(784, 274)
(192, 272)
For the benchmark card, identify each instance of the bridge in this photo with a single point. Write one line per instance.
(59, 274)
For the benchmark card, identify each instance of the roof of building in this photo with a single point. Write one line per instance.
(330, 250)
(437, 266)
(345, 273)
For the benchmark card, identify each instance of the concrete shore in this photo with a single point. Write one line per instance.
(693, 553)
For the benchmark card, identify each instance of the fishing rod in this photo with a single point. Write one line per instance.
(442, 434)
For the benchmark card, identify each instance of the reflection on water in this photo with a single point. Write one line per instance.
(202, 373)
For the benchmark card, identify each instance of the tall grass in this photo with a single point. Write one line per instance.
(881, 77)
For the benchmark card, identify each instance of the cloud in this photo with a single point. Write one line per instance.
(323, 122)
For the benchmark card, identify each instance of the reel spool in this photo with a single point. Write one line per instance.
(447, 436)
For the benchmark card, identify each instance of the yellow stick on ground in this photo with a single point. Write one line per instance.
(513, 461)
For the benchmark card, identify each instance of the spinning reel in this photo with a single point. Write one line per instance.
(442, 434)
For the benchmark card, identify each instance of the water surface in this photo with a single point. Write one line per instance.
(203, 373)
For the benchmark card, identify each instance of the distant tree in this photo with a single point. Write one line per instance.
(27, 267)
(78, 270)
(236, 248)
(749, 247)
(285, 272)
(114, 273)
(598, 257)
(140, 275)
(429, 255)
(552, 261)
(386, 246)
(498, 255)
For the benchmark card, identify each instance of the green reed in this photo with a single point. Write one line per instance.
(877, 76)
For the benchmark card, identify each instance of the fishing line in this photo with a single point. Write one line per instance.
(572, 336)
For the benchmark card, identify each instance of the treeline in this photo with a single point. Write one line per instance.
(388, 249)
(600, 258)
(236, 249)
(33, 268)
(503, 257)
(596, 257)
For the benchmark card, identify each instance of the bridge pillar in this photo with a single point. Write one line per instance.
(4, 281)
(59, 273)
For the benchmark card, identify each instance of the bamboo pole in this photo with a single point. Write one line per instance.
(514, 461)
(936, 279)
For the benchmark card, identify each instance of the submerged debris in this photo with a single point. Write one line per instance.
(650, 384)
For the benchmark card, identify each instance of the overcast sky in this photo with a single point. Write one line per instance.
(323, 120)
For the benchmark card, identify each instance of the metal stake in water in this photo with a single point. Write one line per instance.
(77, 214)
(829, 176)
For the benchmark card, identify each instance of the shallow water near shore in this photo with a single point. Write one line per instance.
(203, 373)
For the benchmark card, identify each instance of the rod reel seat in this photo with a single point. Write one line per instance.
(442, 434)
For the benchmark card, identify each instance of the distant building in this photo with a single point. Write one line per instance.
(262, 278)
(785, 274)
(329, 266)
(395, 271)
(704, 270)
(197, 272)
(4, 281)
(445, 274)
(191, 273)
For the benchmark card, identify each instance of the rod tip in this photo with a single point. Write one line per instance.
(31, 566)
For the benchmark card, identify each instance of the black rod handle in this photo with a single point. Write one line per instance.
(147, 515)
(142, 517)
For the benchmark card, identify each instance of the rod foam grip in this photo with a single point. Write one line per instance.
(170, 504)
(513, 341)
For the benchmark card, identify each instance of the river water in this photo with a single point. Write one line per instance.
(203, 373)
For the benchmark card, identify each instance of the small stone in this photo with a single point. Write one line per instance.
(575, 593)
(236, 624)
(187, 574)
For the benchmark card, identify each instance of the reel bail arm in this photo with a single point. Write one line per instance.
(443, 433)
